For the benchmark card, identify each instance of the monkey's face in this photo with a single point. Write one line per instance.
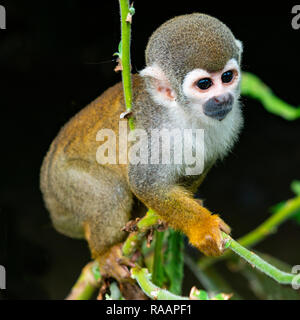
(193, 65)
(212, 95)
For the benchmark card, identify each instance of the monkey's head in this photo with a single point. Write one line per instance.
(194, 60)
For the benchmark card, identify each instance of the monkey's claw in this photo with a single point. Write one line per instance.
(224, 227)
(131, 226)
(162, 225)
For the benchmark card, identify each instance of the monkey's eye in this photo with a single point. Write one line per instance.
(204, 84)
(227, 76)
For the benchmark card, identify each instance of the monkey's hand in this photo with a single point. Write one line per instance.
(206, 235)
(177, 207)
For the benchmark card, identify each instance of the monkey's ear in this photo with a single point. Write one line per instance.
(159, 84)
(240, 45)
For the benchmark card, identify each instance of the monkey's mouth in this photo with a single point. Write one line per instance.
(218, 109)
(220, 113)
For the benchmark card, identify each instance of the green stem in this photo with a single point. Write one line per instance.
(151, 219)
(259, 263)
(268, 226)
(174, 261)
(143, 277)
(271, 224)
(157, 272)
(261, 232)
(135, 239)
(253, 87)
(86, 284)
(131, 244)
(125, 57)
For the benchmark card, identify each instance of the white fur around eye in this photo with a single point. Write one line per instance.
(232, 64)
(188, 85)
(190, 79)
(219, 136)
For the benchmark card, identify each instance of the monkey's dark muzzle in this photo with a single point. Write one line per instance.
(218, 107)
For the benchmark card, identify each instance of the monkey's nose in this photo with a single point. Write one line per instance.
(223, 99)
(218, 107)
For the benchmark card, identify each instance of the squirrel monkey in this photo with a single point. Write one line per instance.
(191, 80)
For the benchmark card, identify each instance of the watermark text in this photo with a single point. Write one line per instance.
(2, 17)
(296, 18)
(177, 146)
(2, 278)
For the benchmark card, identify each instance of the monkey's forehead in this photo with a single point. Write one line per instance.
(192, 41)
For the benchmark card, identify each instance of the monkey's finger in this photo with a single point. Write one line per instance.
(200, 201)
(224, 227)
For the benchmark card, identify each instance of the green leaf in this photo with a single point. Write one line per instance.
(132, 10)
(119, 53)
(158, 276)
(295, 186)
(120, 47)
(174, 261)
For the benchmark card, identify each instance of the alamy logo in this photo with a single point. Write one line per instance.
(296, 19)
(296, 280)
(2, 17)
(2, 278)
(183, 147)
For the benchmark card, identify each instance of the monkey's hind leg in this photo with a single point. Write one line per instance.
(93, 202)
(112, 264)
(87, 199)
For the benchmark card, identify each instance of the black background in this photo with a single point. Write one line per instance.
(56, 57)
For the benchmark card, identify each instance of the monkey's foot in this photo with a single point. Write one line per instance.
(206, 235)
(114, 265)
